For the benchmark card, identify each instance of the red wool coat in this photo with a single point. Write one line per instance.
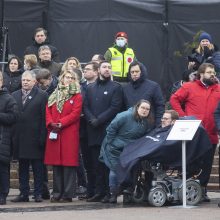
(64, 151)
(199, 101)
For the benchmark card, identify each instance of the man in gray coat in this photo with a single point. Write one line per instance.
(29, 136)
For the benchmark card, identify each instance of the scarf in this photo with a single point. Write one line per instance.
(61, 94)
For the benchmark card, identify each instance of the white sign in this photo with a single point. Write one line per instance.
(184, 130)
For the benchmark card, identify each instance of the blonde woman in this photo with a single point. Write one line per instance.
(70, 63)
(62, 148)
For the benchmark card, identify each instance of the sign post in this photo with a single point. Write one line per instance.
(184, 130)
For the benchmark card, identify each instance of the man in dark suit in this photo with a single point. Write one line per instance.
(103, 100)
(29, 136)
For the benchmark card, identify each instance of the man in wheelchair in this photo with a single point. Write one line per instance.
(144, 164)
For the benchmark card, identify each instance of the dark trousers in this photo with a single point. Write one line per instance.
(101, 172)
(64, 182)
(4, 179)
(206, 166)
(87, 161)
(45, 189)
(37, 167)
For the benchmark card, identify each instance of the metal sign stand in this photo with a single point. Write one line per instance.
(184, 130)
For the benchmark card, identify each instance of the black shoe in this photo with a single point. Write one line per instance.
(96, 198)
(2, 201)
(20, 198)
(106, 199)
(205, 198)
(38, 199)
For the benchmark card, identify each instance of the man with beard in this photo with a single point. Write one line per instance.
(45, 61)
(200, 99)
(40, 38)
(102, 101)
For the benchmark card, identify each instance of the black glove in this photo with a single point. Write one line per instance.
(94, 122)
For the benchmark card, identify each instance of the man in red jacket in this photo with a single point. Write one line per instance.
(200, 99)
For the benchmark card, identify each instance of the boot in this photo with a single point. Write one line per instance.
(113, 195)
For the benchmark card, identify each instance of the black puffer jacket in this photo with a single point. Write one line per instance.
(12, 81)
(8, 116)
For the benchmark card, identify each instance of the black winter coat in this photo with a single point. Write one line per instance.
(103, 100)
(12, 81)
(33, 49)
(8, 116)
(145, 89)
(30, 130)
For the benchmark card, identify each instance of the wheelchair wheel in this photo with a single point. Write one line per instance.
(157, 197)
(139, 194)
(193, 193)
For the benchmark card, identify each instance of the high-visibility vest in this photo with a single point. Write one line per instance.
(120, 62)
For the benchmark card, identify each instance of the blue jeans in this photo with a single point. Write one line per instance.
(113, 181)
(4, 179)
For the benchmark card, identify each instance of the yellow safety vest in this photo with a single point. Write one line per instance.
(120, 62)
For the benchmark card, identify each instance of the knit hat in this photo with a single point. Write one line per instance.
(206, 36)
(121, 34)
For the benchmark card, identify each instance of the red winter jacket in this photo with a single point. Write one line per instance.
(199, 101)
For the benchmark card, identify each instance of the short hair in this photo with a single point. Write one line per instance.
(31, 59)
(29, 72)
(100, 57)
(174, 115)
(44, 47)
(40, 29)
(104, 61)
(95, 65)
(43, 74)
(78, 73)
(203, 67)
(134, 63)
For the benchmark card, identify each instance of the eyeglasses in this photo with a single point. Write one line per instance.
(87, 69)
(165, 119)
(148, 109)
(211, 72)
(69, 77)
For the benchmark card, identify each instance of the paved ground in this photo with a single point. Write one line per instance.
(95, 211)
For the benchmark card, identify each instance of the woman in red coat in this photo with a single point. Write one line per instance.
(62, 120)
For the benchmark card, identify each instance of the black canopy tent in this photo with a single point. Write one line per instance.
(81, 28)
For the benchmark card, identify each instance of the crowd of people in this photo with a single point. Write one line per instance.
(80, 119)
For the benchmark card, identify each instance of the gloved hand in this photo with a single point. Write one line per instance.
(94, 122)
(56, 126)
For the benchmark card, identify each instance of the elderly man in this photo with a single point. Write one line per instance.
(29, 136)
(200, 99)
(45, 60)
